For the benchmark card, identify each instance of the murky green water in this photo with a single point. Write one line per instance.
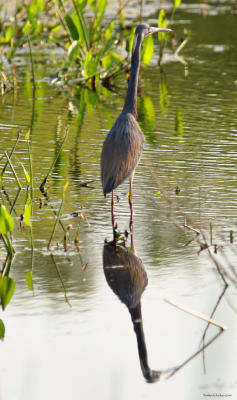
(89, 350)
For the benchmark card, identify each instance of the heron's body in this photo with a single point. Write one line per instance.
(124, 142)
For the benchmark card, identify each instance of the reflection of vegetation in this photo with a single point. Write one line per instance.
(179, 123)
(7, 285)
(164, 94)
(146, 117)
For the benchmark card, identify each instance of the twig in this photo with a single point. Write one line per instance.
(205, 331)
(218, 266)
(196, 314)
(203, 317)
(176, 369)
(192, 229)
(181, 46)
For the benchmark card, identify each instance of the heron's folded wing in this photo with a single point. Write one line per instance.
(121, 152)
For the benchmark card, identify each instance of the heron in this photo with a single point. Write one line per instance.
(124, 143)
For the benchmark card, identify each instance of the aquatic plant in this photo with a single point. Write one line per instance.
(91, 44)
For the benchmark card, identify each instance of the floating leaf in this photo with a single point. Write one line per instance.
(27, 176)
(29, 280)
(2, 329)
(147, 50)
(7, 287)
(6, 221)
(28, 211)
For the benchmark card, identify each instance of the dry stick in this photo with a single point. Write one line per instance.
(213, 312)
(192, 229)
(13, 170)
(196, 314)
(181, 46)
(232, 268)
(176, 369)
(203, 317)
(218, 267)
(205, 331)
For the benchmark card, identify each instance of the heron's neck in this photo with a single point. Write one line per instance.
(131, 97)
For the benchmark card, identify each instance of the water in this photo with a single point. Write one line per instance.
(89, 349)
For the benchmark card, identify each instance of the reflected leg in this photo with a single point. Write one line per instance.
(112, 212)
(131, 204)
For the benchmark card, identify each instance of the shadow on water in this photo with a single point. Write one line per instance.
(127, 277)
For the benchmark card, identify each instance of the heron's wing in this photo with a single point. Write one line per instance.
(121, 152)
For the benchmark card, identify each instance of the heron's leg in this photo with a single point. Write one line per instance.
(131, 204)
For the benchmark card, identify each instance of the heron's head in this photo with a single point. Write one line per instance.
(145, 30)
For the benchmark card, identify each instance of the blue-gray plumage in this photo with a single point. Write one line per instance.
(121, 151)
(124, 143)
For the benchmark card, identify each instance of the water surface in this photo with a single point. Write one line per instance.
(89, 349)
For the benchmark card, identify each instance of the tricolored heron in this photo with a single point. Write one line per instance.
(124, 143)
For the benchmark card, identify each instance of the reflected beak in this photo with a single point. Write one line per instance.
(152, 30)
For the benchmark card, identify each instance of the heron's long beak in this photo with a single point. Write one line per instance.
(154, 30)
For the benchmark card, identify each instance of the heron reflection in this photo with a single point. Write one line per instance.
(126, 276)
